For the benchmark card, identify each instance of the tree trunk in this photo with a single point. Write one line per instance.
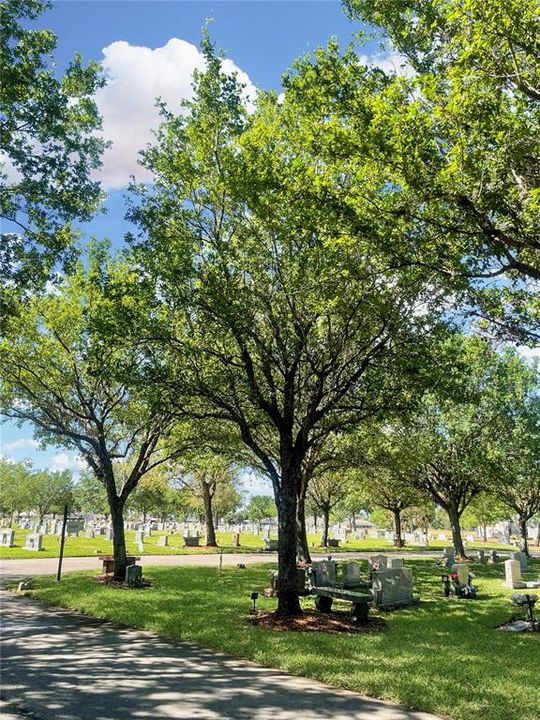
(286, 500)
(302, 547)
(353, 522)
(398, 540)
(315, 521)
(524, 538)
(144, 517)
(484, 532)
(326, 523)
(453, 516)
(208, 517)
(119, 540)
(538, 534)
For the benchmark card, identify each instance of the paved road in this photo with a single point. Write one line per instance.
(11, 570)
(64, 666)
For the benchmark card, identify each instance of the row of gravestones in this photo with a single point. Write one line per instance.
(391, 582)
(449, 556)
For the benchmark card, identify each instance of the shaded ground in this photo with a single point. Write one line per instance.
(64, 666)
(334, 622)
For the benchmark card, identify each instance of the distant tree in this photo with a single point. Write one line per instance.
(259, 508)
(14, 486)
(50, 148)
(204, 476)
(89, 494)
(485, 510)
(152, 494)
(326, 491)
(49, 491)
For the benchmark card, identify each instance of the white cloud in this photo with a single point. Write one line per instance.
(137, 75)
(391, 62)
(21, 444)
(63, 461)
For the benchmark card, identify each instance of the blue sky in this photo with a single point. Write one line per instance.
(149, 48)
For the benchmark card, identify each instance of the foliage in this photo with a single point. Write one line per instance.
(463, 136)
(89, 495)
(260, 507)
(50, 147)
(14, 476)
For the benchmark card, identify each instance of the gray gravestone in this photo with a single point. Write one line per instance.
(350, 574)
(325, 573)
(133, 575)
(394, 562)
(392, 587)
(163, 541)
(7, 537)
(520, 555)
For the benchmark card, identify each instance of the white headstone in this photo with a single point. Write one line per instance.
(512, 571)
(7, 537)
(462, 571)
(33, 541)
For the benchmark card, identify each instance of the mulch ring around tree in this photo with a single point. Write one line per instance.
(110, 581)
(313, 621)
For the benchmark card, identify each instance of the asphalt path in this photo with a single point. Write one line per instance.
(14, 570)
(59, 665)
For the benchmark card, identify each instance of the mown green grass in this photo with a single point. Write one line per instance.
(444, 656)
(81, 546)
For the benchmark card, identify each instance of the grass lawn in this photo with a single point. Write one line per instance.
(82, 546)
(442, 656)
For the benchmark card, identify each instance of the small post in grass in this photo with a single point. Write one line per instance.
(62, 541)
(220, 561)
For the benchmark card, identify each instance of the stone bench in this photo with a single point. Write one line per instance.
(324, 597)
(108, 562)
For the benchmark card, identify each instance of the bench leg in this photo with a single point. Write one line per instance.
(360, 613)
(323, 603)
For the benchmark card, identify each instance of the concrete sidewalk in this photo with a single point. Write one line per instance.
(63, 666)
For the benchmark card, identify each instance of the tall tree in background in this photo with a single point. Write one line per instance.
(325, 492)
(48, 491)
(50, 148)
(67, 368)
(517, 443)
(204, 476)
(281, 320)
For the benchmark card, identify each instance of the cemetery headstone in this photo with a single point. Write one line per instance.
(449, 556)
(33, 541)
(236, 539)
(394, 562)
(139, 536)
(133, 575)
(90, 534)
(163, 541)
(393, 587)
(462, 572)
(493, 557)
(482, 556)
(324, 572)
(522, 560)
(350, 574)
(512, 571)
(7, 537)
